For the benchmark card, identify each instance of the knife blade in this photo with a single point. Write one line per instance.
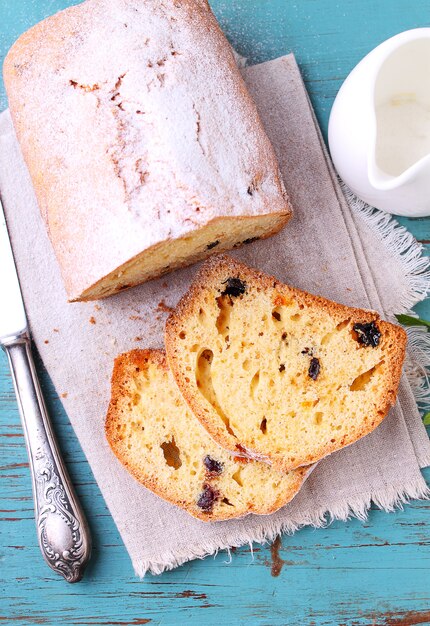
(12, 314)
(62, 529)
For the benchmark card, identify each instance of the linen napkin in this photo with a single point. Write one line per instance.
(326, 249)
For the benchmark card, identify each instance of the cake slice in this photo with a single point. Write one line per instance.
(153, 433)
(275, 373)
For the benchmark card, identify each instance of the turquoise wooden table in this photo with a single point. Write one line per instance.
(377, 572)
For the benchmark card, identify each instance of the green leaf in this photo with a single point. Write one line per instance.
(409, 320)
(426, 419)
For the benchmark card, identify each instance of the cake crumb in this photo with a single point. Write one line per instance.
(92, 319)
(46, 341)
(56, 330)
(135, 317)
(164, 285)
(64, 395)
(97, 307)
(162, 306)
(138, 338)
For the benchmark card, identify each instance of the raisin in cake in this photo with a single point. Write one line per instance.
(276, 373)
(145, 149)
(153, 433)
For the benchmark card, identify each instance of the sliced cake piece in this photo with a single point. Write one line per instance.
(278, 374)
(153, 433)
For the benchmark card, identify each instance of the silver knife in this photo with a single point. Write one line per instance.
(62, 529)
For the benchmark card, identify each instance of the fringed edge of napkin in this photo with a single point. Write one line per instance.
(409, 253)
(387, 500)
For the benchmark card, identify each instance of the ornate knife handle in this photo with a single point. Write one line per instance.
(62, 529)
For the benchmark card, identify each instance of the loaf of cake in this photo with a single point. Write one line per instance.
(278, 374)
(153, 433)
(145, 149)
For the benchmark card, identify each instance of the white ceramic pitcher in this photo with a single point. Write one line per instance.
(379, 128)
